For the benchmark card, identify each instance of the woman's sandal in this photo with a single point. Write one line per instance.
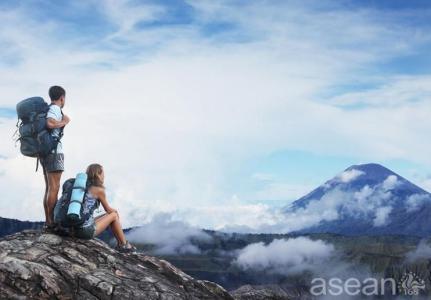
(126, 248)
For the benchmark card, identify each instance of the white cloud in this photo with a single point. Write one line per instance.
(363, 194)
(233, 216)
(126, 14)
(369, 201)
(390, 182)
(397, 92)
(170, 119)
(285, 256)
(414, 202)
(169, 236)
(422, 251)
(263, 176)
(373, 203)
(382, 216)
(269, 188)
(350, 175)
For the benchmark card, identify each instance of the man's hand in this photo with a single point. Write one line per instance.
(52, 123)
(66, 119)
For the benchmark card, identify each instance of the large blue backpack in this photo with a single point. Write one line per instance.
(35, 138)
(71, 209)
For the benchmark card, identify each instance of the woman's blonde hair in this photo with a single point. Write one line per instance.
(94, 175)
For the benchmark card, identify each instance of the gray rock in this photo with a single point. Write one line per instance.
(50, 239)
(270, 292)
(46, 266)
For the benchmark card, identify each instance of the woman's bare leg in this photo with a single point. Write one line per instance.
(98, 217)
(112, 220)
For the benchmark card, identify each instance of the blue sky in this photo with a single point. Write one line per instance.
(237, 104)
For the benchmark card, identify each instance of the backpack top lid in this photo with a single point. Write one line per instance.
(68, 185)
(30, 107)
(80, 181)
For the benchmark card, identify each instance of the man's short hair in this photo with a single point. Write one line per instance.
(55, 92)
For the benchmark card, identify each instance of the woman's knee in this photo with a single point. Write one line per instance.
(115, 215)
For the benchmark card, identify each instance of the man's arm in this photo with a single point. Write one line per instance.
(52, 123)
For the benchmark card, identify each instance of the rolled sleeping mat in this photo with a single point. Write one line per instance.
(78, 192)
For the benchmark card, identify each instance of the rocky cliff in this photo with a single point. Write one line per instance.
(45, 266)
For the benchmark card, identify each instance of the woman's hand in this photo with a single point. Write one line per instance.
(102, 197)
(112, 210)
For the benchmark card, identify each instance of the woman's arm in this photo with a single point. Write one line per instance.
(102, 197)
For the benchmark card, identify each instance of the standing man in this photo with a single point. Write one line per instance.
(53, 163)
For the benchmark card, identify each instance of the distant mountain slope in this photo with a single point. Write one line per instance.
(368, 199)
(10, 226)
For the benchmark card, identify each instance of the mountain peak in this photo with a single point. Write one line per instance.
(367, 199)
(47, 266)
(372, 168)
(370, 174)
(368, 167)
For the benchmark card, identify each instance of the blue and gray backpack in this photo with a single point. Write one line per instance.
(35, 138)
(73, 209)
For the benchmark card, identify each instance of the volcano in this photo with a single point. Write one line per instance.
(367, 199)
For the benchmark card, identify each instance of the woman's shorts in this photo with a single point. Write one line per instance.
(86, 232)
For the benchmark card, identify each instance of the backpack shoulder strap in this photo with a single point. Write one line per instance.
(62, 128)
(60, 135)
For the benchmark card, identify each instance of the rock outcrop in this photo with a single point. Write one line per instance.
(270, 292)
(45, 266)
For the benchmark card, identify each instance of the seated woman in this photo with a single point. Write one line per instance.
(94, 226)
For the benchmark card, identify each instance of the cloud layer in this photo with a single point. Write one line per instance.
(173, 105)
(168, 236)
(285, 256)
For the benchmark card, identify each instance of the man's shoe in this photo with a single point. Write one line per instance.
(48, 228)
(54, 229)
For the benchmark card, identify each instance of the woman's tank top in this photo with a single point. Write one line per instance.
(89, 205)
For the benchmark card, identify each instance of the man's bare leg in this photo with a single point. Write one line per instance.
(53, 188)
(45, 196)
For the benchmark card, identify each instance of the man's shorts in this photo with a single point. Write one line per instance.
(53, 162)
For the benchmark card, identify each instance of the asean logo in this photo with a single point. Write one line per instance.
(411, 284)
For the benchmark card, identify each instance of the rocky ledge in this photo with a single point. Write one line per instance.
(45, 266)
(271, 291)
